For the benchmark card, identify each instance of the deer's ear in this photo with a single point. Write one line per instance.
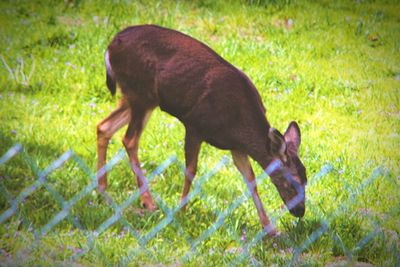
(292, 137)
(277, 142)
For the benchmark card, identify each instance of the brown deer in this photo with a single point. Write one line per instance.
(216, 102)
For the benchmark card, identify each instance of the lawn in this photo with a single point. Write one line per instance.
(333, 66)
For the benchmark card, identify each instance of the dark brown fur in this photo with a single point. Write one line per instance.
(216, 102)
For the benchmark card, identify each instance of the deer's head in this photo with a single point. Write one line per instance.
(290, 179)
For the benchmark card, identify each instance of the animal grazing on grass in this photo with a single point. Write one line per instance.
(216, 102)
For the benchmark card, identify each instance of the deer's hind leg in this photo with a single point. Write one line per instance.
(105, 130)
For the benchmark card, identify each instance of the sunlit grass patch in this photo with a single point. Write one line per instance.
(331, 66)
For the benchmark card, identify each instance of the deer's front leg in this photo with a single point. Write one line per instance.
(242, 162)
(105, 130)
(192, 148)
(139, 119)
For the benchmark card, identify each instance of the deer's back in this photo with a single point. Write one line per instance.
(186, 79)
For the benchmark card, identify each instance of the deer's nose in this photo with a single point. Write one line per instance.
(298, 211)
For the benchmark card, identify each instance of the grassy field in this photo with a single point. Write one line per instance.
(333, 66)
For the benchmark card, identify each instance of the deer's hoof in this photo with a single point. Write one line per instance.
(147, 202)
(101, 184)
(183, 206)
(271, 232)
(149, 206)
(274, 234)
(101, 188)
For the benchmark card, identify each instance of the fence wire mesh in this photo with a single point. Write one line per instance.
(245, 257)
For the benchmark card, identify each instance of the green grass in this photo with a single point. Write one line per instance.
(335, 70)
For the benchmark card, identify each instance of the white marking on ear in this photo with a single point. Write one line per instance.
(278, 140)
(292, 136)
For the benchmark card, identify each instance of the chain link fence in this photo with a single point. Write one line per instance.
(143, 238)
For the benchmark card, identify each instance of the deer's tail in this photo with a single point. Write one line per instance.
(110, 79)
